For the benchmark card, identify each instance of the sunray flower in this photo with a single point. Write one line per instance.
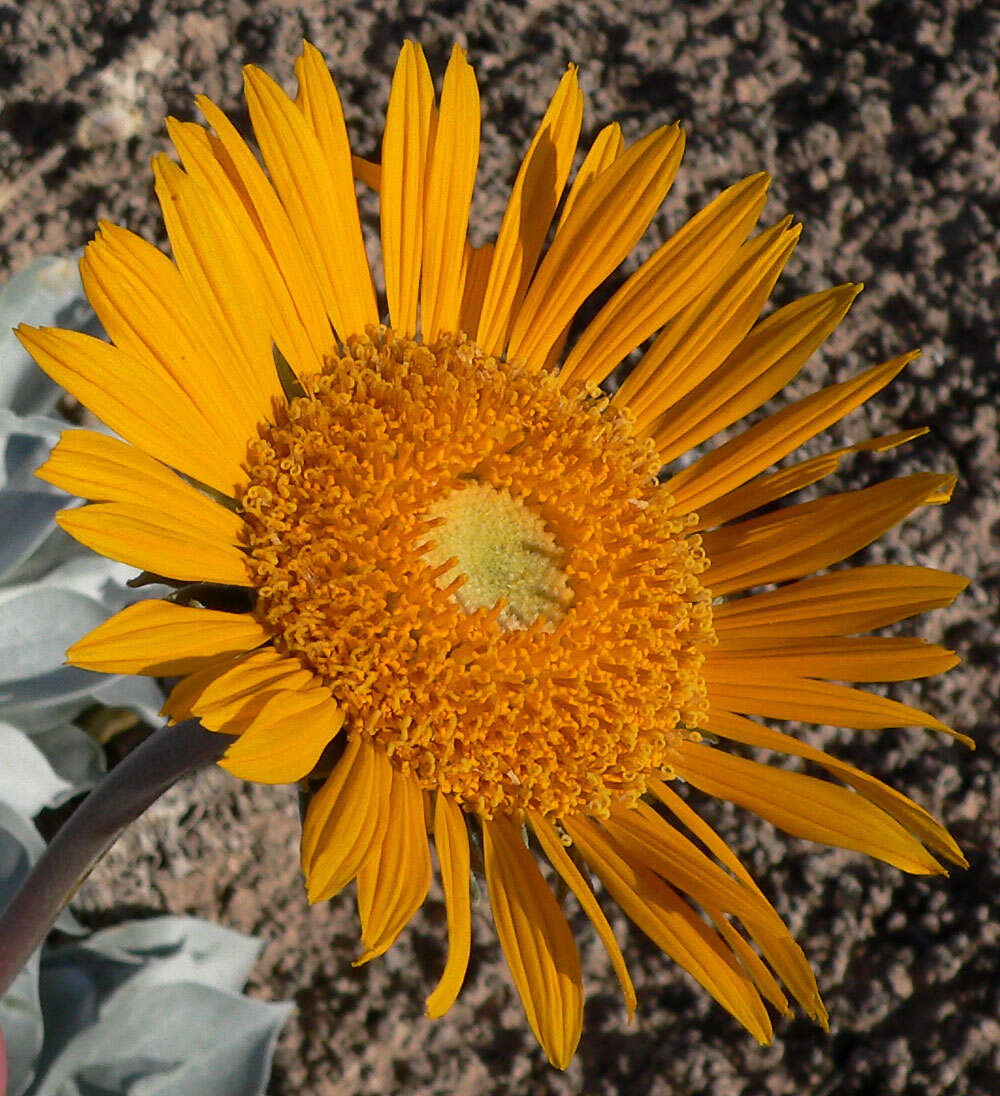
(423, 561)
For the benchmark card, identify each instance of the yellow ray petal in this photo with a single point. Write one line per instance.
(799, 539)
(536, 941)
(782, 951)
(317, 192)
(604, 226)
(870, 658)
(764, 362)
(553, 848)
(164, 640)
(105, 469)
(342, 781)
(702, 336)
(320, 105)
(154, 541)
(228, 698)
(367, 172)
(668, 281)
(775, 485)
(319, 101)
(738, 460)
(804, 806)
(216, 675)
(672, 925)
(909, 814)
(393, 880)
(530, 209)
(606, 147)
(644, 837)
(476, 262)
(800, 698)
(762, 978)
(286, 738)
(199, 153)
(703, 831)
(837, 604)
(405, 147)
(451, 175)
(145, 406)
(178, 704)
(345, 819)
(152, 314)
(555, 353)
(224, 279)
(273, 226)
(252, 673)
(451, 839)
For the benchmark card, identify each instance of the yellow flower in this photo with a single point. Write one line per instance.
(431, 567)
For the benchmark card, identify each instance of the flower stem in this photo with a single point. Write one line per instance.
(127, 790)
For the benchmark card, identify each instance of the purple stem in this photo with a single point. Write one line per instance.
(132, 785)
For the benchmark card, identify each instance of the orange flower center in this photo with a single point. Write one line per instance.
(483, 569)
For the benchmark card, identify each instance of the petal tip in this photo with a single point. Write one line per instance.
(255, 78)
(26, 335)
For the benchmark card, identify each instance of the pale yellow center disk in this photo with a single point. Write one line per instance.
(483, 569)
(503, 550)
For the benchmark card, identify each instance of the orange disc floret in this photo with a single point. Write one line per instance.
(411, 484)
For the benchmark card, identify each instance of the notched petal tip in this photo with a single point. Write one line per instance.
(314, 894)
(309, 50)
(942, 494)
(819, 1014)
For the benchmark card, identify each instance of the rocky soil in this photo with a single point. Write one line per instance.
(880, 122)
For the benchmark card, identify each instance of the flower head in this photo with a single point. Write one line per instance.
(423, 561)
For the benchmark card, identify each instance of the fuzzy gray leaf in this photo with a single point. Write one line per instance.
(75, 757)
(39, 626)
(40, 703)
(28, 782)
(48, 292)
(152, 1008)
(27, 520)
(174, 1040)
(20, 1010)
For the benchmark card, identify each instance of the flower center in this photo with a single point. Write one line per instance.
(503, 550)
(483, 569)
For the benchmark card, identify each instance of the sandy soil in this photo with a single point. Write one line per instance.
(881, 125)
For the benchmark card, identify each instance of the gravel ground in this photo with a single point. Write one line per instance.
(881, 125)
